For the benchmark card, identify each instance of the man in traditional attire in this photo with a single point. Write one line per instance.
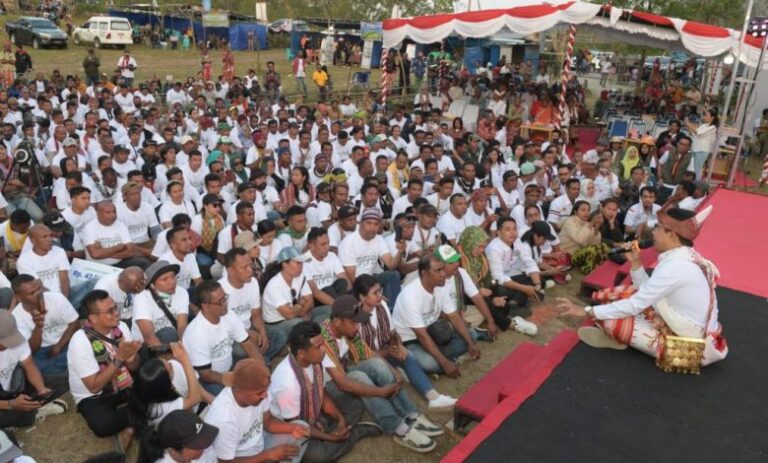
(678, 299)
(228, 62)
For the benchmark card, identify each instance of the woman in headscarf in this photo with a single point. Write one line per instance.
(628, 162)
(589, 194)
(471, 246)
(581, 237)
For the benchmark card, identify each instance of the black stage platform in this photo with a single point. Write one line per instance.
(616, 406)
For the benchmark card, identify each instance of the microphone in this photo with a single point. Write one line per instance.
(642, 244)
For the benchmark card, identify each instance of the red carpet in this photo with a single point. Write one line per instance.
(734, 238)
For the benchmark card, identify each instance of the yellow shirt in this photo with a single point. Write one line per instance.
(320, 78)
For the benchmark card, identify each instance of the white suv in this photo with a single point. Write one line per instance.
(104, 30)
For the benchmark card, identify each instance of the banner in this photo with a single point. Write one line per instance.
(206, 6)
(82, 271)
(261, 11)
(371, 31)
(367, 53)
(216, 19)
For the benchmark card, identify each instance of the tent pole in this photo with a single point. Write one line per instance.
(736, 62)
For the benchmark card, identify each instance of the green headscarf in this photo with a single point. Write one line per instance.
(477, 267)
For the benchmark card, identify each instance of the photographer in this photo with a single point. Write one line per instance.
(20, 184)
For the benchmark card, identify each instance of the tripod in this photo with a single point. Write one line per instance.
(26, 169)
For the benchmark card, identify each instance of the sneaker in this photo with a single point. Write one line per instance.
(54, 407)
(549, 284)
(364, 429)
(524, 326)
(426, 427)
(595, 337)
(462, 359)
(442, 403)
(415, 441)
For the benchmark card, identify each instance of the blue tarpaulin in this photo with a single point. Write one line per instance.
(236, 34)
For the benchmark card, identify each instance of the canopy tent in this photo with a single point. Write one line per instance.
(627, 25)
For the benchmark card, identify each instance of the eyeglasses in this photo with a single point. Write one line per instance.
(112, 311)
(220, 302)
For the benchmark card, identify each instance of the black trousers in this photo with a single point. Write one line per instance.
(106, 414)
(518, 297)
(338, 288)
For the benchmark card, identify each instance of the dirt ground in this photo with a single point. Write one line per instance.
(66, 438)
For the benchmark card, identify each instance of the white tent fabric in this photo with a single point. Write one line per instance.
(700, 39)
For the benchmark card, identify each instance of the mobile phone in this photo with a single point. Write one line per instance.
(398, 233)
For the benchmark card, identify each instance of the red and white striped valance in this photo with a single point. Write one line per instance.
(700, 39)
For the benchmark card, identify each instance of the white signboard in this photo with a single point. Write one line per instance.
(82, 271)
(367, 52)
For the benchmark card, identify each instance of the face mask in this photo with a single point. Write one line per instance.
(164, 296)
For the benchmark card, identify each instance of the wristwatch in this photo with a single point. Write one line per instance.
(590, 311)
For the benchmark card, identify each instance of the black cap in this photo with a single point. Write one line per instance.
(55, 221)
(211, 198)
(159, 268)
(184, 429)
(540, 228)
(244, 186)
(119, 148)
(348, 211)
(150, 142)
(348, 307)
(428, 209)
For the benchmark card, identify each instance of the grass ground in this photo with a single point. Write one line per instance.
(65, 438)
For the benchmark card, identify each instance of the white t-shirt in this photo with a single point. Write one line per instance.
(211, 345)
(423, 239)
(168, 210)
(138, 222)
(316, 214)
(188, 268)
(79, 221)
(451, 226)
(241, 429)
(636, 215)
(559, 209)
(323, 273)
(278, 293)
(286, 391)
(242, 301)
(447, 296)
(82, 363)
(107, 236)
(59, 314)
(336, 235)
(414, 308)
(364, 255)
(145, 308)
(46, 268)
(109, 284)
(9, 359)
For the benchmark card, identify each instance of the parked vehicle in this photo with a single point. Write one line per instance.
(104, 31)
(38, 32)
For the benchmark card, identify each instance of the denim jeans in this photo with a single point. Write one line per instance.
(275, 440)
(56, 366)
(390, 284)
(277, 340)
(414, 372)
(318, 315)
(699, 159)
(453, 350)
(387, 412)
(351, 407)
(27, 204)
(301, 85)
